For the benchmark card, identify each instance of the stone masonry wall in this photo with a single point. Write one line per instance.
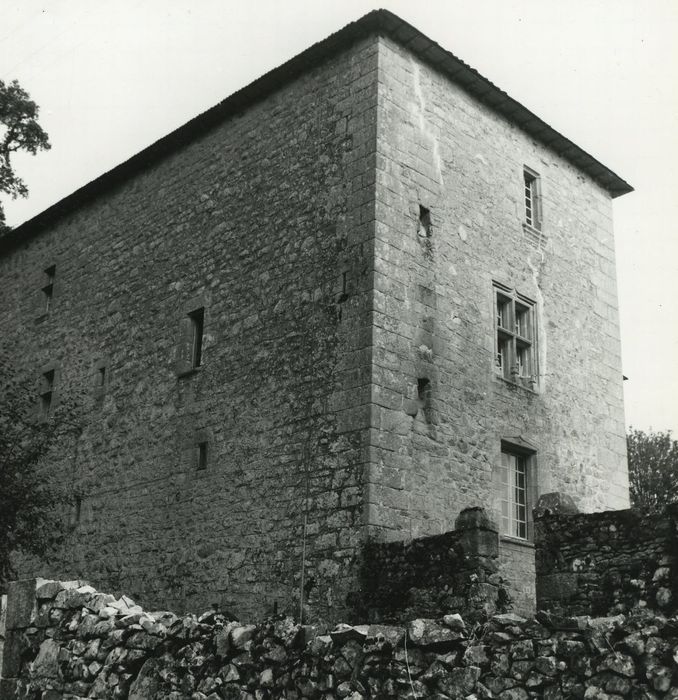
(266, 222)
(433, 455)
(456, 572)
(348, 385)
(607, 563)
(68, 641)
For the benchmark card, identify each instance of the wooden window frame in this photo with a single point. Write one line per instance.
(532, 198)
(517, 490)
(190, 341)
(515, 337)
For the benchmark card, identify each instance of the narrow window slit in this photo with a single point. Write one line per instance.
(197, 325)
(424, 222)
(202, 455)
(47, 392)
(423, 388)
(424, 396)
(532, 195)
(48, 289)
(343, 296)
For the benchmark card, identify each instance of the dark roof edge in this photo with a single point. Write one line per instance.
(497, 100)
(381, 21)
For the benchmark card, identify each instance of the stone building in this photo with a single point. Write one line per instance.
(361, 294)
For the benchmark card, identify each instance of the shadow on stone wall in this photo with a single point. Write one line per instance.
(456, 572)
(605, 563)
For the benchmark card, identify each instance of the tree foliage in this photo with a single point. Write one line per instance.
(33, 503)
(19, 131)
(653, 469)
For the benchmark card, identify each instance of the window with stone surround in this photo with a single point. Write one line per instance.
(101, 377)
(190, 345)
(199, 447)
(532, 194)
(48, 288)
(424, 227)
(513, 472)
(197, 318)
(202, 455)
(515, 483)
(46, 392)
(515, 337)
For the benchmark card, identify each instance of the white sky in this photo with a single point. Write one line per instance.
(112, 77)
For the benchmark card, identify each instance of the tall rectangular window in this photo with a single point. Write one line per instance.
(513, 496)
(197, 318)
(532, 198)
(46, 392)
(100, 381)
(515, 336)
(202, 455)
(48, 289)
(189, 353)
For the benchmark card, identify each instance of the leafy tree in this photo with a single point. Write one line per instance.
(32, 502)
(19, 131)
(653, 469)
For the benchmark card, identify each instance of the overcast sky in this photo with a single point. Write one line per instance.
(112, 77)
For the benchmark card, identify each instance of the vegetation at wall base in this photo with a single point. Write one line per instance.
(33, 503)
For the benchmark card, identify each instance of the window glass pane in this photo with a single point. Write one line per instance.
(503, 311)
(530, 197)
(513, 495)
(502, 356)
(522, 324)
(523, 358)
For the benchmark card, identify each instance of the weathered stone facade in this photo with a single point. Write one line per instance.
(340, 223)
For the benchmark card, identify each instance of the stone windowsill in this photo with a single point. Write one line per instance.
(518, 384)
(192, 371)
(515, 542)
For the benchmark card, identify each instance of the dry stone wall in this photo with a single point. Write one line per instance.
(609, 562)
(456, 572)
(66, 640)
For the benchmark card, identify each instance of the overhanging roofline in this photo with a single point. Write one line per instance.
(376, 22)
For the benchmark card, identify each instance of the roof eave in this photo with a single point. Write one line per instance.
(377, 21)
